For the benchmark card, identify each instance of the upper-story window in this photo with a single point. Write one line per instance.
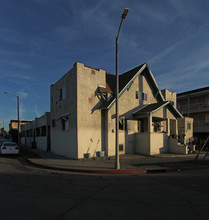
(62, 93)
(141, 95)
(65, 124)
(144, 96)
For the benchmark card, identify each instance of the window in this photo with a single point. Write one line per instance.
(144, 96)
(124, 124)
(157, 126)
(65, 124)
(189, 126)
(37, 132)
(43, 131)
(120, 147)
(62, 93)
(141, 95)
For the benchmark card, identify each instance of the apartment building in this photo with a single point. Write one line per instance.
(195, 104)
(37, 133)
(14, 124)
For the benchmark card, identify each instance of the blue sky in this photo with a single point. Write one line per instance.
(40, 40)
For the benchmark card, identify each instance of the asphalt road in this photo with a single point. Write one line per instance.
(29, 193)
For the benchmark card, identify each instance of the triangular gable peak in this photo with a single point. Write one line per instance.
(126, 80)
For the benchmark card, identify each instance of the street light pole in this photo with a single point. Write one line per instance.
(117, 162)
(18, 115)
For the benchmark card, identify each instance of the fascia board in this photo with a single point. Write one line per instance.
(155, 83)
(173, 108)
(124, 89)
(160, 107)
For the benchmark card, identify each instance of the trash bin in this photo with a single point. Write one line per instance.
(87, 155)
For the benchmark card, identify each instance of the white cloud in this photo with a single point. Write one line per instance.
(22, 94)
(22, 111)
(36, 111)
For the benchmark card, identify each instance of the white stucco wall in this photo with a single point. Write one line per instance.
(41, 143)
(65, 142)
(143, 143)
(89, 116)
(158, 143)
(175, 148)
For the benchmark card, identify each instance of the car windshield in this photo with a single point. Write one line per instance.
(10, 144)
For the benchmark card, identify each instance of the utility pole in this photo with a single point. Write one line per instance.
(117, 162)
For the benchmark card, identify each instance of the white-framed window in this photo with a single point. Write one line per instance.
(188, 126)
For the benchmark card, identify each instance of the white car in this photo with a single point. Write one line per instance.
(9, 148)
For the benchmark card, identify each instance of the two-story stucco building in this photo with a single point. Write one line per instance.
(83, 113)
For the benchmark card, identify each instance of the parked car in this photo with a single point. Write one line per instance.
(9, 148)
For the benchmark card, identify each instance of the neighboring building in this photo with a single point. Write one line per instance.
(195, 104)
(83, 114)
(14, 124)
(37, 133)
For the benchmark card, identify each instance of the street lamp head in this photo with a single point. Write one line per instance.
(6, 93)
(125, 12)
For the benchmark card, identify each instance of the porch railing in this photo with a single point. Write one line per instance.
(201, 126)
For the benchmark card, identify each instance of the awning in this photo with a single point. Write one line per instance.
(64, 116)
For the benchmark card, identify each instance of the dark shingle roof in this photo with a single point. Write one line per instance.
(156, 106)
(150, 108)
(123, 81)
(127, 76)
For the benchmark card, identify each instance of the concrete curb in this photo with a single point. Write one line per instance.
(97, 171)
(113, 171)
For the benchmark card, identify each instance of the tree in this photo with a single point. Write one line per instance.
(14, 135)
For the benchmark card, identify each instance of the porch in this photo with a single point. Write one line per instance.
(157, 132)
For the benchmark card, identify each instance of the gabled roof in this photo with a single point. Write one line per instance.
(152, 108)
(125, 81)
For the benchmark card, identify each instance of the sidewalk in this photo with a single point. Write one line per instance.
(128, 163)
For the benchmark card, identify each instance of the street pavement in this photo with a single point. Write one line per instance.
(28, 192)
(128, 163)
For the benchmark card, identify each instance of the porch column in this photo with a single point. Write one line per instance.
(176, 127)
(168, 126)
(150, 123)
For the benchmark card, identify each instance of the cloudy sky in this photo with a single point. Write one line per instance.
(40, 40)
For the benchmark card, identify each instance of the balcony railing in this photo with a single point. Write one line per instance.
(198, 107)
(201, 126)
